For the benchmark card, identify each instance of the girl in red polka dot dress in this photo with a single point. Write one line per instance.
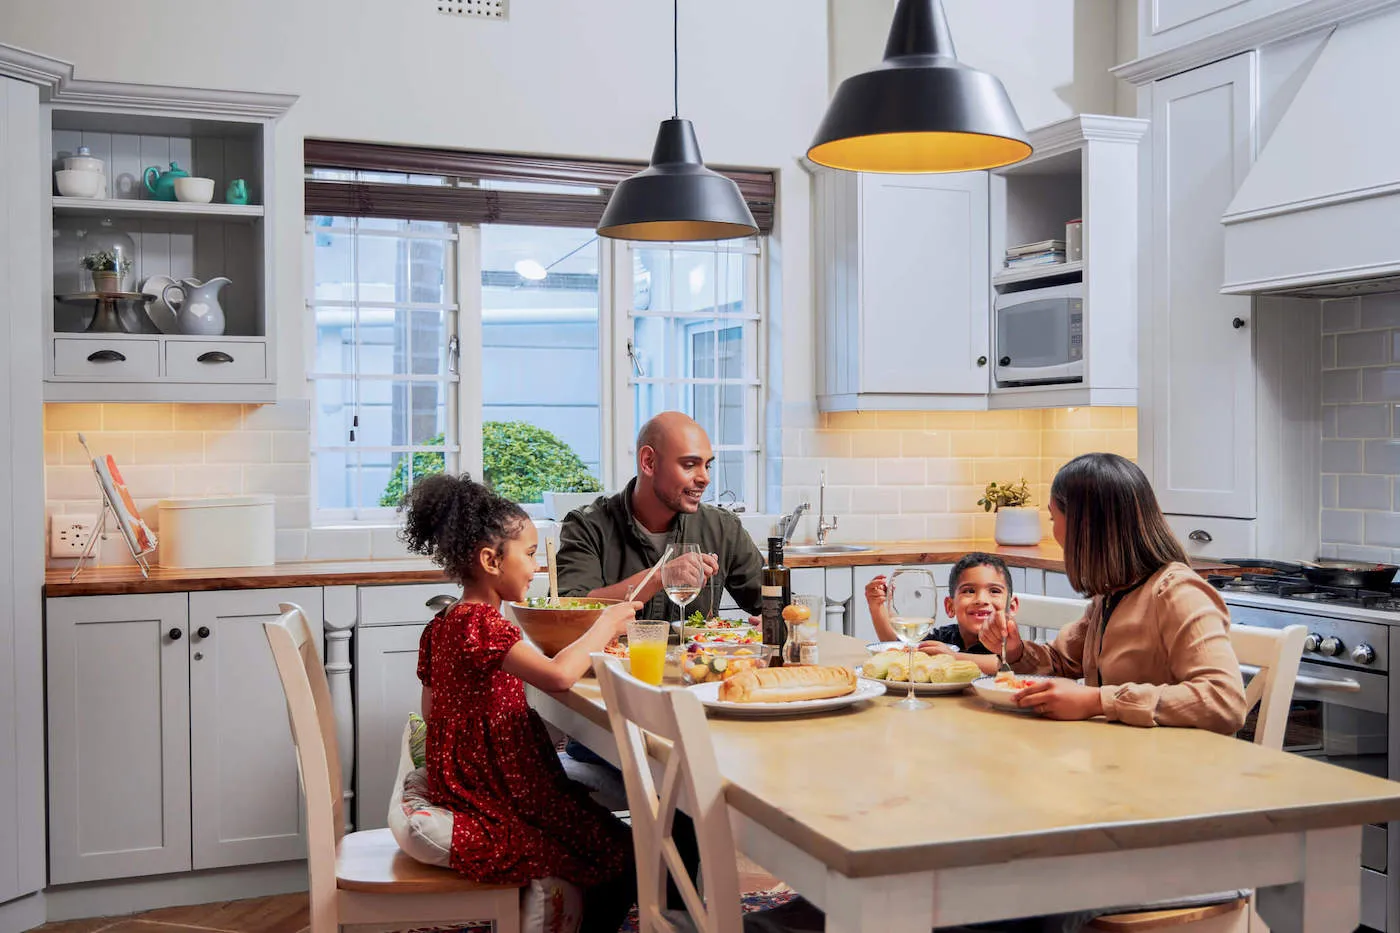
(516, 816)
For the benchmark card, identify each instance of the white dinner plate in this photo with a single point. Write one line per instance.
(709, 696)
(1001, 698)
(160, 313)
(899, 688)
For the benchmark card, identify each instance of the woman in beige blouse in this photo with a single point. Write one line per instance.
(1152, 646)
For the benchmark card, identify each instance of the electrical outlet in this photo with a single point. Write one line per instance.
(69, 534)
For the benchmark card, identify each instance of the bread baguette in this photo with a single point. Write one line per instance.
(787, 684)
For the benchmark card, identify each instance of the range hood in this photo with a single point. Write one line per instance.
(1319, 212)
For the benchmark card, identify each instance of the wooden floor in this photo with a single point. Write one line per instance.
(285, 913)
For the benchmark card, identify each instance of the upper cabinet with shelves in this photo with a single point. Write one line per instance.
(137, 348)
(1086, 169)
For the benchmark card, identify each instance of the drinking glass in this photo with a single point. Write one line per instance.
(683, 579)
(913, 606)
(646, 649)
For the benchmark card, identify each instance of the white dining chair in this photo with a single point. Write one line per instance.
(690, 781)
(362, 879)
(1048, 613)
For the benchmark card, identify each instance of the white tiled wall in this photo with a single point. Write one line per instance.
(1360, 431)
(909, 475)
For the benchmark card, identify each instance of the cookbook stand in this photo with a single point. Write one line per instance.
(109, 508)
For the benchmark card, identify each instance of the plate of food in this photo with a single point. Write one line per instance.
(1000, 691)
(786, 691)
(932, 673)
(708, 661)
(719, 631)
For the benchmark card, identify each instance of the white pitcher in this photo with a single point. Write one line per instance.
(198, 311)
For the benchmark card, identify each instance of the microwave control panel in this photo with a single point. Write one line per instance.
(1076, 330)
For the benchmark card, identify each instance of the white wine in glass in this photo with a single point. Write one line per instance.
(913, 606)
(683, 575)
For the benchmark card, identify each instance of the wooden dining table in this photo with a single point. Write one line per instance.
(902, 820)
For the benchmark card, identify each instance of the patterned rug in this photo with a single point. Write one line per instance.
(756, 900)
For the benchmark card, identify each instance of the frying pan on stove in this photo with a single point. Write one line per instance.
(1346, 573)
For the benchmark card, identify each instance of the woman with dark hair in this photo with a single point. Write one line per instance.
(1153, 647)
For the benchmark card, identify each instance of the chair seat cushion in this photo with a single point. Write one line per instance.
(372, 862)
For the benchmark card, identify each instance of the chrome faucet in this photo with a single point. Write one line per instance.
(822, 526)
(787, 524)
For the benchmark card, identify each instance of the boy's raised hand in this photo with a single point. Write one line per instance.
(877, 590)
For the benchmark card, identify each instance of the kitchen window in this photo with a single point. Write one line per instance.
(502, 324)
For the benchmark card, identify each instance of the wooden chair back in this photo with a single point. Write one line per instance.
(309, 707)
(639, 714)
(1275, 654)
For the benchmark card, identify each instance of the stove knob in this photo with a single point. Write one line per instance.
(1331, 646)
(1311, 642)
(1363, 654)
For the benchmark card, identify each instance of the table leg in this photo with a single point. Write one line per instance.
(894, 904)
(1328, 899)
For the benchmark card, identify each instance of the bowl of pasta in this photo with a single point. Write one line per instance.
(1000, 691)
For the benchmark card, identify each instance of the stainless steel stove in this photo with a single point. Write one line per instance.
(1342, 702)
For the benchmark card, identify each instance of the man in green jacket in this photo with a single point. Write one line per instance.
(606, 548)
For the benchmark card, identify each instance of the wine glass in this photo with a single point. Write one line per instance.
(913, 606)
(683, 578)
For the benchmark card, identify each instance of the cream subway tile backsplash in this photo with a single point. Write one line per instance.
(945, 461)
(71, 417)
(291, 447)
(209, 479)
(138, 417)
(238, 447)
(1360, 449)
(163, 447)
(282, 479)
(291, 544)
(338, 544)
(292, 512)
(117, 444)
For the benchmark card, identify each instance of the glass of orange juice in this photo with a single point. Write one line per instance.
(646, 649)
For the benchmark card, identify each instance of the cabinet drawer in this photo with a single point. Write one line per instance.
(104, 359)
(1214, 537)
(393, 605)
(215, 361)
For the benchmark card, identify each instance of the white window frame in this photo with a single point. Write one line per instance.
(624, 442)
(459, 423)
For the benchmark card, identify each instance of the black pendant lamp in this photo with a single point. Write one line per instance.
(922, 110)
(676, 197)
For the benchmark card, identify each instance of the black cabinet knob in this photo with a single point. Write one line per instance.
(1004, 361)
(203, 631)
(174, 634)
(981, 361)
(1237, 323)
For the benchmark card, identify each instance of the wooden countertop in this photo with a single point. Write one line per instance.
(857, 787)
(108, 581)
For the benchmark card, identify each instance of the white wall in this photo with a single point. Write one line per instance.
(560, 77)
(1052, 55)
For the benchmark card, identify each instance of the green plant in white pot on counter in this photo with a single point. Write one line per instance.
(1018, 522)
(108, 269)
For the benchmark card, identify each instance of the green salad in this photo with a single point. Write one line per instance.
(698, 620)
(544, 602)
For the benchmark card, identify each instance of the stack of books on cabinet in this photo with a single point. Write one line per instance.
(1040, 253)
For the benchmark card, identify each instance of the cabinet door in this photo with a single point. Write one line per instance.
(1169, 24)
(119, 734)
(925, 284)
(386, 691)
(1201, 407)
(245, 794)
(21, 512)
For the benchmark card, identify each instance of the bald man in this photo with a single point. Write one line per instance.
(606, 548)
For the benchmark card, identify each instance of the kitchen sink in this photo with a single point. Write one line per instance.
(807, 549)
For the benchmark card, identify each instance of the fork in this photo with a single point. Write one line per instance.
(1005, 631)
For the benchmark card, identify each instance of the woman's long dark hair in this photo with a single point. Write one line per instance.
(1115, 533)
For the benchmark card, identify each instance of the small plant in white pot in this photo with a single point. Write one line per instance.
(1018, 522)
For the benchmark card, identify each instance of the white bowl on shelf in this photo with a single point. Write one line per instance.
(73, 183)
(195, 190)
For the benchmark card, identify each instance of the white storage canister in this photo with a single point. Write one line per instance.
(216, 531)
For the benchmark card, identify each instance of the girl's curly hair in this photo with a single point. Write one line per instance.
(451, 518)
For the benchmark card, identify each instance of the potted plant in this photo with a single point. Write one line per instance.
(108, 268)
(1018, 522)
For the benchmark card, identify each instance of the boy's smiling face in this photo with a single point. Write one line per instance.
(980, 592)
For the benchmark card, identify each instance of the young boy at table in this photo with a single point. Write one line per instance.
(979, 587)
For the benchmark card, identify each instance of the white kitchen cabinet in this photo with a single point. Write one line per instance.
(246, 800)
(1200, 410)
(21, 511)
(902, 257)
(119, 736)
(1164, 25)
(1057, 584)
(391, 620)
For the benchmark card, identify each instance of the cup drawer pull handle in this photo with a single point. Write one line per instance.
(1201, 535)
(214, 356)
(106, 356)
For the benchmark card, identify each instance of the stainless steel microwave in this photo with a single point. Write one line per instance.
(1040, 336)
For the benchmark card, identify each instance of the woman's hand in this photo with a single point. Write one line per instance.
(877, 591)
(1061, 699)
(1001, 627)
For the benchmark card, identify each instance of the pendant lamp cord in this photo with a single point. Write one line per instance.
(675, 59)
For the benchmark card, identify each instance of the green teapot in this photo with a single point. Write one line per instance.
(160, 184)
